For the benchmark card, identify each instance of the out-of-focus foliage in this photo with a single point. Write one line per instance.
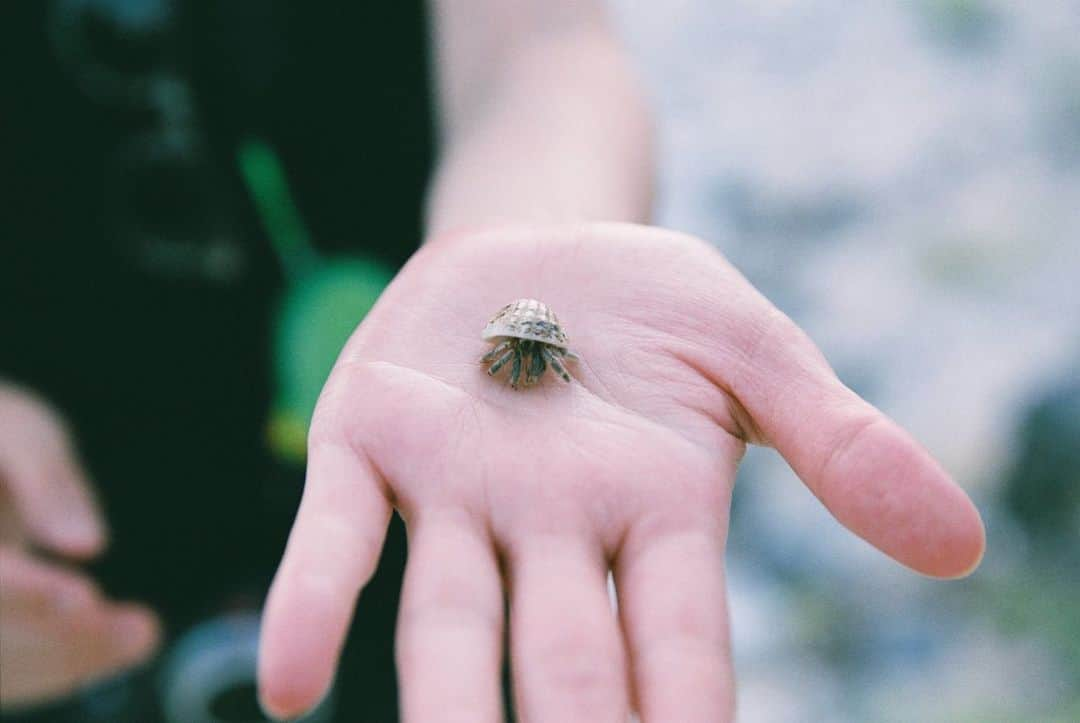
(317, 316)
(1043, 490)
(324, 301)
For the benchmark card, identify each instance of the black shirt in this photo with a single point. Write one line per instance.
(137, 284)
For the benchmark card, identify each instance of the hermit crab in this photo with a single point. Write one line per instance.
(529, 338)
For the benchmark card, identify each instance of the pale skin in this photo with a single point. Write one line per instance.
(58, 632)
(542, 191)
(532, 496)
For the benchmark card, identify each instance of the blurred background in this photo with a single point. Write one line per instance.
(195, 216)
(902, 178)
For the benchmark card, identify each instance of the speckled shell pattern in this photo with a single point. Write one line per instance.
(527, 319)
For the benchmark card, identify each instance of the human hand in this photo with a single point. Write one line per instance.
(57, 632)
(539, 492)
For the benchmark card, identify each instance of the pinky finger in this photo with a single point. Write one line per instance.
(333, 550)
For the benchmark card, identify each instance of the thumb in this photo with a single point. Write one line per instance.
(51, 498)
(871, 475)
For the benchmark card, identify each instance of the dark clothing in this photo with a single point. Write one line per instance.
(137, 286)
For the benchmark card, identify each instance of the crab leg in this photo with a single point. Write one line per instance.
(494, 353)
(537, 365)
(494, 368)
(515, 369)
(563, 353)
(553, 359)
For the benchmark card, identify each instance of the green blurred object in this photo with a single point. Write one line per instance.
(315, 319)
(1042, 489)
(976, 261)
(324, 301)
(269, 189)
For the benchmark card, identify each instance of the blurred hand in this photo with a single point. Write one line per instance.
(539, 492)
(56, 631)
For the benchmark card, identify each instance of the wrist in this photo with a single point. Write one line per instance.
(542, 236)
(555, 142)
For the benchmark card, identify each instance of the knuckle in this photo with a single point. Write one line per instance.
(452, 600)
(325, 428)
(355, 549)
(419, 625)
(345, 559)
(344, 403)
(452, 594)
(844, 443)
(580, 666)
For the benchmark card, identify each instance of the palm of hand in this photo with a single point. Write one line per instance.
(541, 491)
(631, 434)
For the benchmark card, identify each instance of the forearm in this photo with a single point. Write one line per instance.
(561, 133)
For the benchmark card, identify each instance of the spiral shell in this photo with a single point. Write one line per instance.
(527, 319)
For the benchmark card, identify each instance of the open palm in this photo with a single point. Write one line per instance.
(537, 493)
